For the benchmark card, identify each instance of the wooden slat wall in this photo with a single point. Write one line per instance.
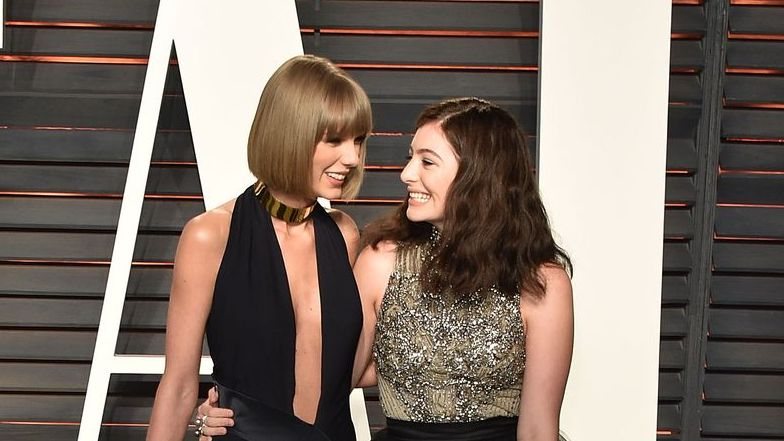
(687, 63)
(70, 84)
(71, 76)
(744, 375)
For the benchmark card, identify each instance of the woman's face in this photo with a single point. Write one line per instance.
(332, 162)
(429, 174)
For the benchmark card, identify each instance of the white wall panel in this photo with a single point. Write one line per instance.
(603, 121)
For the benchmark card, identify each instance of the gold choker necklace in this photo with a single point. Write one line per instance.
(280, 210)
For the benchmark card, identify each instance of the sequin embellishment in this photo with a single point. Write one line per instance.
(446, 359)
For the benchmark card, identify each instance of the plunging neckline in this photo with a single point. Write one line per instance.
(283, 280)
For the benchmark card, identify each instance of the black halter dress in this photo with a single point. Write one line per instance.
(251, 331)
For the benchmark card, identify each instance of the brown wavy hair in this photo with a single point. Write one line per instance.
(496, 232)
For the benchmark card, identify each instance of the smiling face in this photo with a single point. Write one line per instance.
(429, 175)
(333, 160)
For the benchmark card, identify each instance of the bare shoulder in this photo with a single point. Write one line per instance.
(384, 251)
(372, 270)
(348, 228)
(557, 294)
(556, 279)
(208, 231)
(346, 224)
(379, 261)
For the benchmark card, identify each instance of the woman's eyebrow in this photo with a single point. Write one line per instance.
(426, 150)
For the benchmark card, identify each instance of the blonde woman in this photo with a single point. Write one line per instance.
(267, 276)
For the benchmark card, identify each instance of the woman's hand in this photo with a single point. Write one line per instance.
(215, 419)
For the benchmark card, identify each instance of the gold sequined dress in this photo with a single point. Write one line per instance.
(443, 359)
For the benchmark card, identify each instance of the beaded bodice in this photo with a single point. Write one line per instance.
(442, 358)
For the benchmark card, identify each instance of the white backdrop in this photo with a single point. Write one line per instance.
(602, 144)
(226, 53)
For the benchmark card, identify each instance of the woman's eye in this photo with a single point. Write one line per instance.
(427, 162)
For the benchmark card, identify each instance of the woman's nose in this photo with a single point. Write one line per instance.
(350, 157)
(408, 175)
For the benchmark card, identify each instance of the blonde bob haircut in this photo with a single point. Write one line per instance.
(306, 100)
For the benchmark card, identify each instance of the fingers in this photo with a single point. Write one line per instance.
(215, 419)
(216, 426)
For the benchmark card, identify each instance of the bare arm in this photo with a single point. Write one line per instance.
(372, 272)
(550, 332)
(195, 268)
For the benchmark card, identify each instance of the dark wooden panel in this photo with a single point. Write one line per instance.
(670, 386)
(744, 123)
(93, 214)
(382, 184)
(668, 416)
(681, 154)
(682, 122)
(59, 432)
(688, 18)
(680, 188)
(753, 89)
(102, 11)
(685, 88)
(41, 407)
(752, 257)
(109, 111)
(53, 280)
(170, 180)
(671, 354)
(750, 19)
(77, 42)
(418, 15)
(399, 115)
(750, 222)
(747, 356)
(71, 78)
(392, 148)
(732, 438)
(743, 420)
(62, 345)
(755, 389)
(740, 156)
(89, 146)
(26, 312)
(388, 150)
(746, 323)
(675, 289)
(760, 54)
(82, 246)
(686, 54)
(674, 322)
(437, 85)
(82, 281)
(44, 377)
(751, 189)
(747, 290)
(678, 223)
(471, 51)
(676, 256)
(146, 343)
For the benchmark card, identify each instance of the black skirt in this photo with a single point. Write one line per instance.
(256, 421)
(493, 429)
